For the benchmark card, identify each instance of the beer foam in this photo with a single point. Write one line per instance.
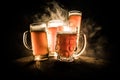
(67, 32)
(55, 23)
(37, 27)
(75, 12)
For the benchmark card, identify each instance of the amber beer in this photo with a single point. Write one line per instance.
(38, 41)
(74, 20)
(52, 32)
(52, 28)
(66, 44)
(75, 17)
(71, 42)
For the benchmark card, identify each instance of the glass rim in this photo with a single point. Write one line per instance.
(55, 23)
(38, 23)
(76, 12)
(58, 20)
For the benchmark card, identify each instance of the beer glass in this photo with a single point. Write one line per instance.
(71, 42)
(39, 41)
(74, 18)
(52, 27)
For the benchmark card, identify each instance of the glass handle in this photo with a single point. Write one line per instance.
(25, 41)
(83, 46)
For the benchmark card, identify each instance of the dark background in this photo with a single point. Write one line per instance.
(17, 17)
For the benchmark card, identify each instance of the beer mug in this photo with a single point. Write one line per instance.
(71, 42)
(38, 40)
(52, 27)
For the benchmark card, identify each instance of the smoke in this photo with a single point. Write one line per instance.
(96, 41)
(51, 11)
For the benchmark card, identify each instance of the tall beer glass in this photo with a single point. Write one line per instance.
(52, 28)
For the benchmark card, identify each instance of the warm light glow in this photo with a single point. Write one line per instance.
(66, 28)
(59, 16)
